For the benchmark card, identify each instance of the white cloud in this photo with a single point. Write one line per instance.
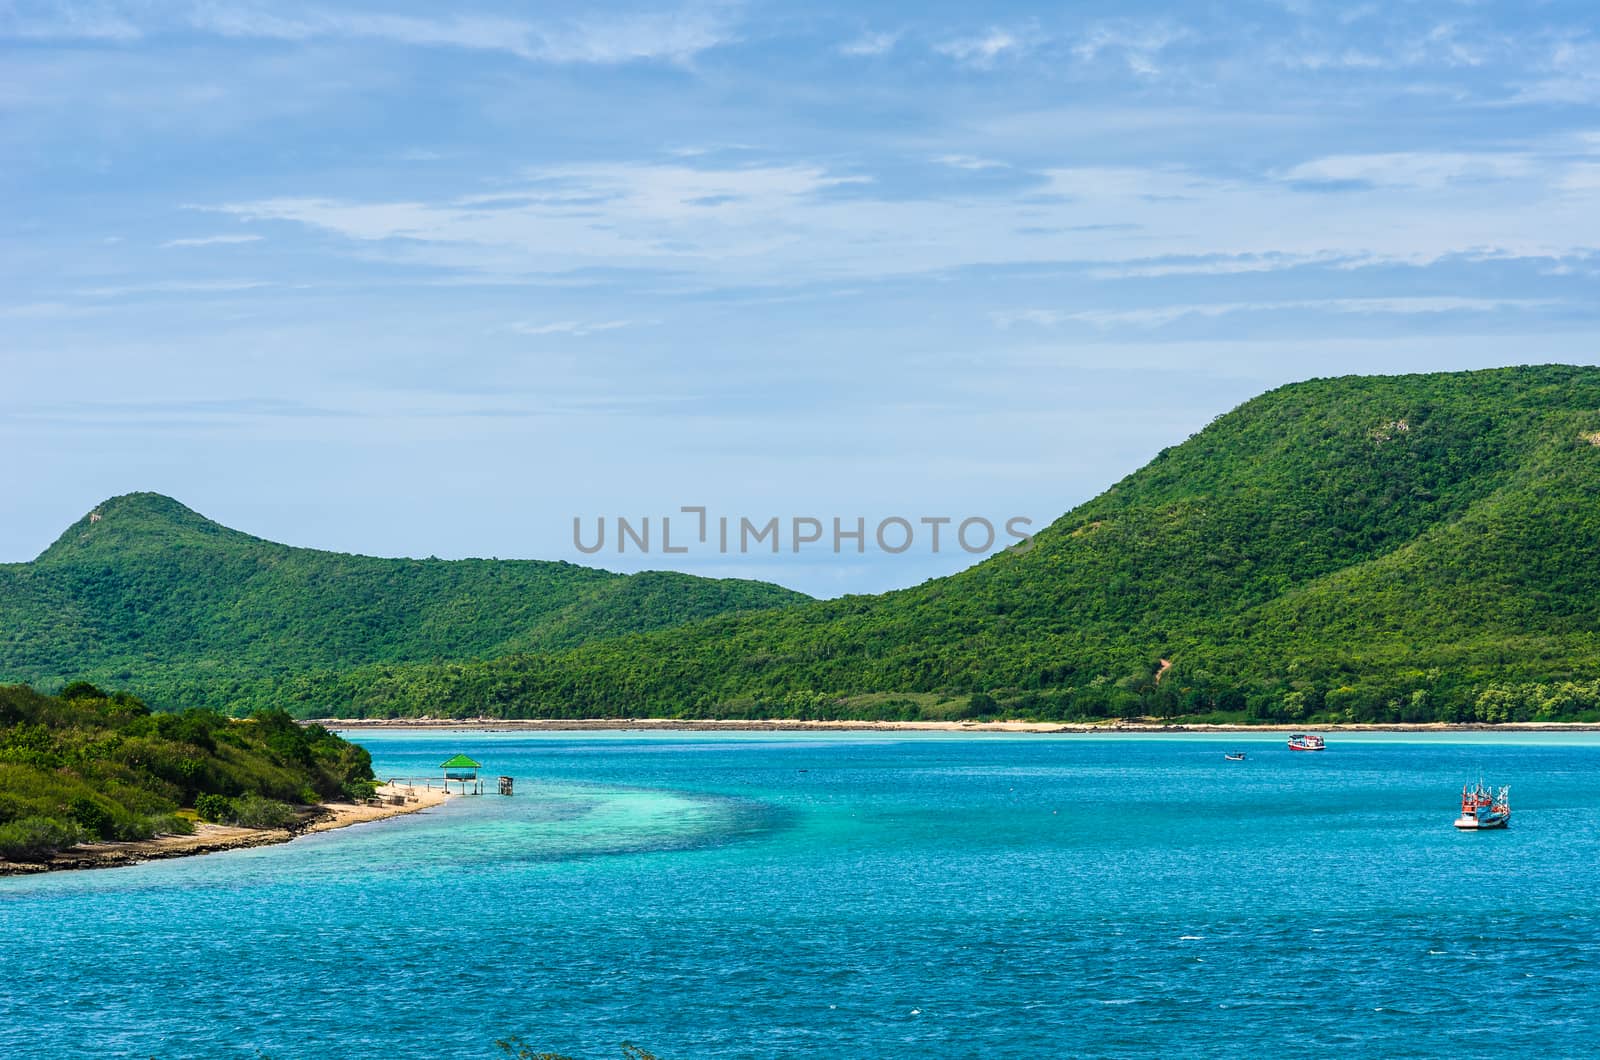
(678, 37)
(1156, 316)
(1581, 177)
(1334, 59)
(45, 311)
(1137, 45)
(675, 36)
(575, 328)
(1416, 169)
(210, 241)
(175, 287)
(1044, 318)
(608, 214)
(1445, 42)
(869, 44)
(793, 224)
(969, 162)
(1225, 266)
(981, 51)
(1568, 73)
(100, 22)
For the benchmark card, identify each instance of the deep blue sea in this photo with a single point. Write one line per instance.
(859, 896)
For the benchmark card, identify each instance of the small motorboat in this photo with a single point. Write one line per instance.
(1302, 742)
(1483, 808)
(1234, 756)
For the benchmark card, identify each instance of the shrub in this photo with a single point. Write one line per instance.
(358, 790)
(252, 811)
(213, 808)
(94, 818)
(33, 838)
(983, 705)
(171, 824)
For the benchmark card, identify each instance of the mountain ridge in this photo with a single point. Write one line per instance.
(1357, 548)
(145, 591)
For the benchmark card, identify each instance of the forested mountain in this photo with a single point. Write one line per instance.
(1360, 548)
(144, 593)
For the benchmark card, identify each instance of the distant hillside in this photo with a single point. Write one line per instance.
(1361, 548)
(145, 593)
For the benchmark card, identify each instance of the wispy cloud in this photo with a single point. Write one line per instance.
(610, 214)
(1569, 72)
(97, 22)
(1415, 169)
(1224, 265)
(211, 241)
(869, 44)
(969, 162)
(1157, 316)
(673, 36)
(175, 287)
(1137, 45)
(794, 223)
(575, 328)
(984, 49)
(45, 311)
(1321, 59)
(1044, 318)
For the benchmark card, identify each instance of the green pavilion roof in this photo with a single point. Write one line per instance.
(460, 762)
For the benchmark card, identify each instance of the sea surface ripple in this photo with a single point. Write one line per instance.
(859, 896)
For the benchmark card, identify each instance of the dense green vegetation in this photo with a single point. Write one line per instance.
(1406, 548)
(146, 594)
(1357, 549)
(86, 766)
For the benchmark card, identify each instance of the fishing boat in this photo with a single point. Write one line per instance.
(1302, 742)
(1234, 756)
(1483, 807)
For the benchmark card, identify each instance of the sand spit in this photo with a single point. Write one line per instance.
(790, 725)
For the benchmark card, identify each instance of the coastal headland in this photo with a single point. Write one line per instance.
(210, 838)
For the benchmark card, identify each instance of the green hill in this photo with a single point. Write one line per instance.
(1363, 548)
(145, 593)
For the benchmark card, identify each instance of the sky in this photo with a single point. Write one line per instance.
(423, 279)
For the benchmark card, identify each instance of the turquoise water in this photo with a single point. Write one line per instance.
(859, 896)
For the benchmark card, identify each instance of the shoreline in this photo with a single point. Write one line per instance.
(211, 838)
(977, 727)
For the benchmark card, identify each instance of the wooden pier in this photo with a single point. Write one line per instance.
(460, 777)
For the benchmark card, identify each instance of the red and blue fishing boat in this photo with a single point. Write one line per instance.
(1302, 742)
(1483, 807)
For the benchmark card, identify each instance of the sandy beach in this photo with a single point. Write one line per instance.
(209, 838)
(792, 725)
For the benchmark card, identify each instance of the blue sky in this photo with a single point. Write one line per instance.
(415, 279)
